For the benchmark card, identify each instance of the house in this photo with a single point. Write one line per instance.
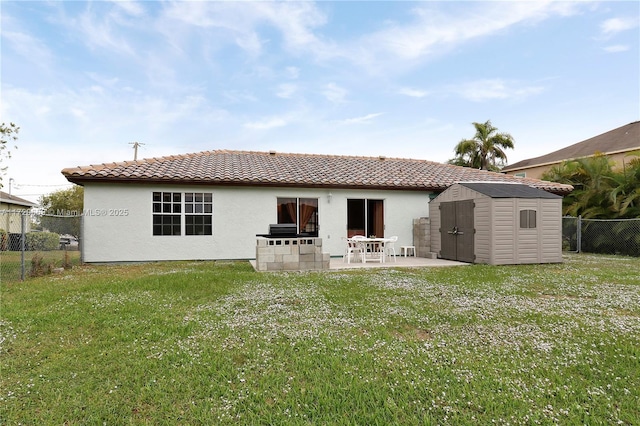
(12, 209)
(497, 223)
(617, 144)
(212, 204)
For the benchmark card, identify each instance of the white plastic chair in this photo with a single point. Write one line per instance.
(389, 247)
(351, 248)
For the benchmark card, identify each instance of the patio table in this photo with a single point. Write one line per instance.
(372, 249)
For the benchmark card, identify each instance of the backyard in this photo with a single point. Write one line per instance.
(218, 343)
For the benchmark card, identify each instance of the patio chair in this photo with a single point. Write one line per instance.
(351, 248)
(389, 247)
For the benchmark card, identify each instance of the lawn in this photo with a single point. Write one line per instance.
(217, 343)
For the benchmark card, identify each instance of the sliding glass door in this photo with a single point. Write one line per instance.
(365, 217)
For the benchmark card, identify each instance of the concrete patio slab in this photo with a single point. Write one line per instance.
(337, 263)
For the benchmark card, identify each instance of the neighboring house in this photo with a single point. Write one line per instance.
(617, 144)
(12, 209)
(211, 205)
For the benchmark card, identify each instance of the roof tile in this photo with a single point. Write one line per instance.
(224, 167)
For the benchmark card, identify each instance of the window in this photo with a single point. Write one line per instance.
(527, 218)
(301, 211)
(521, 174)
(166, 213)
(198, 209)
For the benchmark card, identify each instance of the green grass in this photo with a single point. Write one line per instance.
(217, 343)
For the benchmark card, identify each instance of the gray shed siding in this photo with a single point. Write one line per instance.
(499, 238)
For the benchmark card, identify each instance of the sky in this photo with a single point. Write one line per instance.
(85, 80)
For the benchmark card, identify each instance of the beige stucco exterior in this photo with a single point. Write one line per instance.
(118, 220)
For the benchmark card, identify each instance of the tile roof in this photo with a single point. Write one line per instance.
(622, 139)
(223, 167)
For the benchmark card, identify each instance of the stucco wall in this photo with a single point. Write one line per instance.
(124, 231)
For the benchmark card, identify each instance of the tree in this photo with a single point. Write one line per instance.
(62, 210)
(600, 192)
(485, 151)
(8, 135)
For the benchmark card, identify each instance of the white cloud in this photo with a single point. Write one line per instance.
(239, 21)
(286, 90)
(366, 119)
(483, 90)
(267, 123)
(433, 32)
(616, 48)
(334, 93)
(615, 25)
(414, 93)
(28, 47)
(292, 72)
(129, 7)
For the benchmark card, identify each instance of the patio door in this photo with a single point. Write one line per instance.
(365, 217)
(457, 231)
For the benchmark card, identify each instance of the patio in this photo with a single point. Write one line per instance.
(337, 263)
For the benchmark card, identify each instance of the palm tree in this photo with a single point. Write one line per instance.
(485, 149)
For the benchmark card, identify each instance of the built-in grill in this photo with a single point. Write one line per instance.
(281, 230)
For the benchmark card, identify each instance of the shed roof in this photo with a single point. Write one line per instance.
(224, 167)
(622, 139)
(507, 190)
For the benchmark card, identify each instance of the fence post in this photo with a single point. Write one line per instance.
(579, 234)
(23, 237)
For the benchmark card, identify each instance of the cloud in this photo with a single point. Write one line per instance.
(238, 22)
(334, 93)
(433, 32)
(28, 47)
(413, 93)
(613, 26)
(366, 119)
(484, 90)
(131, 8)
(286, 90)
(616, 48)
(267, 123)
(292, 72)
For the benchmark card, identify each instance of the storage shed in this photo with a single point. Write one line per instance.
(496, 223)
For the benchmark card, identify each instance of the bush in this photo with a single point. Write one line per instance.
(42, 241)
(38, 266)
(4, 240)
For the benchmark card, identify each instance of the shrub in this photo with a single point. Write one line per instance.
(39, 267)
(4, 240)
(42, 241)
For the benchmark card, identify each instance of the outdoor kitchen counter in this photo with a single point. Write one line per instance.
(290, 254)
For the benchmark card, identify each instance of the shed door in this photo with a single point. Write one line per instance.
(457, 231)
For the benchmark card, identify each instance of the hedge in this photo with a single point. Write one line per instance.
(42, 241)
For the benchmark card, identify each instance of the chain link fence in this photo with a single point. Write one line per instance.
(33, 243)
(606, 236)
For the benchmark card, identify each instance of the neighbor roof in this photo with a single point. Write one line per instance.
(507, 190)
(12, 199)
(249, 168)
(622, 139)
